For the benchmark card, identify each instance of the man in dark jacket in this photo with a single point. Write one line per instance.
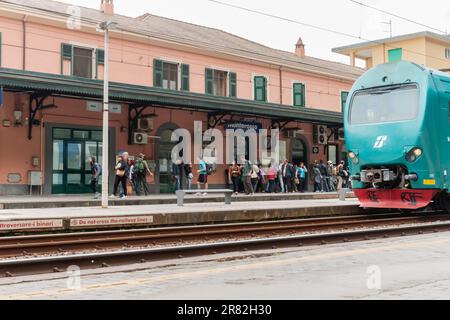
(324, 174)
(96, 170)
(287, 171)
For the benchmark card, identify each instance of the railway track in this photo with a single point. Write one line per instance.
(36, 254)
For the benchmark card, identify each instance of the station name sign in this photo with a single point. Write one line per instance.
(243, 125)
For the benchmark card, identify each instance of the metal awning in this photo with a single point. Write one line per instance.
(28, 81)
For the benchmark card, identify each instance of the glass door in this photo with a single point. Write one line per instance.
(75, 167)
(71, 151)
(165, 162)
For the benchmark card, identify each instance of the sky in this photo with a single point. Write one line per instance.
(339, 15)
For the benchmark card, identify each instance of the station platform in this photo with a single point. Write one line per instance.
(78, 201)
(160, 215)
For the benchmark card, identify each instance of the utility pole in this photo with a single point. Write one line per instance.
(106, 26)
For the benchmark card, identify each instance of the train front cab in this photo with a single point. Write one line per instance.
(394, 125)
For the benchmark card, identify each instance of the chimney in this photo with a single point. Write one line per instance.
(300, 48)
(107, 7)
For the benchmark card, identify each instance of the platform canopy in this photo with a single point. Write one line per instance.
(60, 85)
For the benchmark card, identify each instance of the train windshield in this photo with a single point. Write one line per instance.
(388, 104)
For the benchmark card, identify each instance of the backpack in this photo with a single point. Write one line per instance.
(209, 169)
(139, 166)
(98, 168)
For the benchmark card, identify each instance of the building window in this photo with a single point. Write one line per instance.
(81, 60)
(166, 75)
(260, 83)
(395, 55)
(344, 96)
(220, 83)
(299, 95)
(447, 53)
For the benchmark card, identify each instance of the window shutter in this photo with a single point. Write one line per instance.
(185, 77)
(233, 84)
(260, 89)
(100, 55)
(66, 54)
(158, 73)
(299, 95)
(209, 81)
(67, 51)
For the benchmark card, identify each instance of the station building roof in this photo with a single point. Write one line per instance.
(197, 36)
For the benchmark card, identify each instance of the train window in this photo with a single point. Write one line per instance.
(388, 104)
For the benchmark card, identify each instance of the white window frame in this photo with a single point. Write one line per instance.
(447, 53)
(228, 71)
(85, 46)
(178, 62)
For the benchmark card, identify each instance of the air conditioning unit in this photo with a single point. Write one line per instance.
(140, 138)
(145, 124)
(320, 134)
(341, 134)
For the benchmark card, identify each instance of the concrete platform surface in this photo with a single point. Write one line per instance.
(30, 202)
(405, 268)
(163, 215)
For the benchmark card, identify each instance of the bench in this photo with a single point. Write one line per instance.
(181, 193)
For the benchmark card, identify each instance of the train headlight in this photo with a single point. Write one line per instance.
(414, 154)
(353, 157)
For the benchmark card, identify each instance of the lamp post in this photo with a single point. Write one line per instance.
(106, 26)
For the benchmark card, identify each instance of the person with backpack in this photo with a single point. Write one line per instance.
(122, 172)
(341, 175)
(141, 170)
(203, 176)
(246, 176)
(188, 175)
(96, 171)
(271, 176)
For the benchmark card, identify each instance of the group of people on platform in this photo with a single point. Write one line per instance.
(129, 175)
(245, 176)
(286, 177)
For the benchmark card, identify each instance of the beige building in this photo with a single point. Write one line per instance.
(424, 48)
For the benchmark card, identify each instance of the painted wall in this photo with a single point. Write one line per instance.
(132, 63)
(423, 51)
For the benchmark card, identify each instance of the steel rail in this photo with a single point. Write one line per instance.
(93, 260)
(41, 244)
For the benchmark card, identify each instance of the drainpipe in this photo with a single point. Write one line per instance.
(24, 41)
(281, 84)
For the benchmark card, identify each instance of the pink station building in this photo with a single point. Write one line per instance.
(165, 74)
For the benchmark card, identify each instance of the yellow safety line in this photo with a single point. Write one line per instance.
(207, 272)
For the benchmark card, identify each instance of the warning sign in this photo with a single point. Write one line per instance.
(110, 221)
